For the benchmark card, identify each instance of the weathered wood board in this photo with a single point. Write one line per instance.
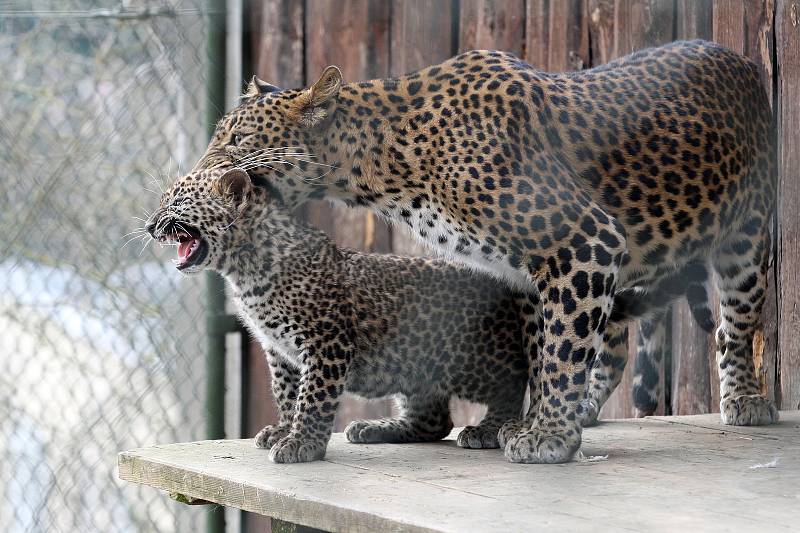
(661, 474)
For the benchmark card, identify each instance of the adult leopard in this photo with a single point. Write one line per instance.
(625, 180)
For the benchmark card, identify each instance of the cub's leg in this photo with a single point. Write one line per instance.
(649, 354)
(606, 371)
(421, 419)
(285, 380)
(324, 369)
(530, 307)
(576, 302)
(741, 267)
(501, 408)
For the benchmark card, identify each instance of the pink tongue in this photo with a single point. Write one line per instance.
(184, 248)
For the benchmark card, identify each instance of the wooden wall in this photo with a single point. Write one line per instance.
(294, 40)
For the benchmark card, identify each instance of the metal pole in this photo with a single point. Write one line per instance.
(215, 286)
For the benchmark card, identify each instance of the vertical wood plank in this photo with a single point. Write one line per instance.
(492, 25)
(693, 19)
(617, 28)
(278, 58)
(557, 35)
(495, 25)
(692, 348)
(279, 46)
(423, 32)
(353, 35)
(788, 56)
(747, 27)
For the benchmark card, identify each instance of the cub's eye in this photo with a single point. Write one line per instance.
(237, 139)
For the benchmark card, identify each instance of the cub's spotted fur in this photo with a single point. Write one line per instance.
(618, 183)
(333, 319)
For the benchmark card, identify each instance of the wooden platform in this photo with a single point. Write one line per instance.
(661, 474)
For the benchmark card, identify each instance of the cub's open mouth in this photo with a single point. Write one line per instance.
(192, 248)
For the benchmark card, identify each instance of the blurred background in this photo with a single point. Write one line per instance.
(106, 347)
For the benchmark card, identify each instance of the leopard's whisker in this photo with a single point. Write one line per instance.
(146, 242)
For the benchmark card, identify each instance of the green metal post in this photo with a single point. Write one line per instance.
(215, 286)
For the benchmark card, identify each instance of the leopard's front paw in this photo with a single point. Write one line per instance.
(294, 449)
(748, 410)
(478, 437)
(267, 437)
(508, 430)
(543, 446)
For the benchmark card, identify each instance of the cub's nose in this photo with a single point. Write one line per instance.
(150, 225)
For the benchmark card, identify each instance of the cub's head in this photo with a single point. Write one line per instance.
(205, 214)
(273, 135)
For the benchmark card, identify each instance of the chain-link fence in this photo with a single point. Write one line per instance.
(100, 344)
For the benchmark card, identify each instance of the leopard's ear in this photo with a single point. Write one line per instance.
(234, 184)
(316, 104)
(257, 87)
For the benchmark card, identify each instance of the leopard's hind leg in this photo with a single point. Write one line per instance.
(741, 268)
(421, 419)
(606, 371)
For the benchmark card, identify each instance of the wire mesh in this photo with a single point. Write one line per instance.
(102, 342)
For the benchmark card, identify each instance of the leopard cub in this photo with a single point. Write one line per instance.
(334, 320)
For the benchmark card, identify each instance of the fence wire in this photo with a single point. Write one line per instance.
(101, 342)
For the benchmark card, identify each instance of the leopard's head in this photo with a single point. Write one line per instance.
(276, 135)
(204, 214)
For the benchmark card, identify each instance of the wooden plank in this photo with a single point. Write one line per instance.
(660, 474)
(642, 23)
(691, 379)
(693, 367)
(557, 35)
(788, 55)
(747, 27)
(278, 58)
(279, 48)
(423, 32)
(693, 19)
(618, 28)
(353, 35)
(492, 25)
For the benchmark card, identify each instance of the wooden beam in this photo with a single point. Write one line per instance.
(424, 32)
(747, 27)
(692, 348)
(492, 25)
(788, 95)
(557, 35)
(353, 35)
(617, 28)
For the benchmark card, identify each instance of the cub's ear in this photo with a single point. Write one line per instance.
(235, 184)
(315, 103)
(257, 86)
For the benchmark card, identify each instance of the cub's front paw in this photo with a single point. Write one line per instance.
(478, 437)
(383, 430)
(509, 429)
(293, 449)
(591, 413)
(748, 410)
(268, 436)
(367, 432)
(543, 446)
